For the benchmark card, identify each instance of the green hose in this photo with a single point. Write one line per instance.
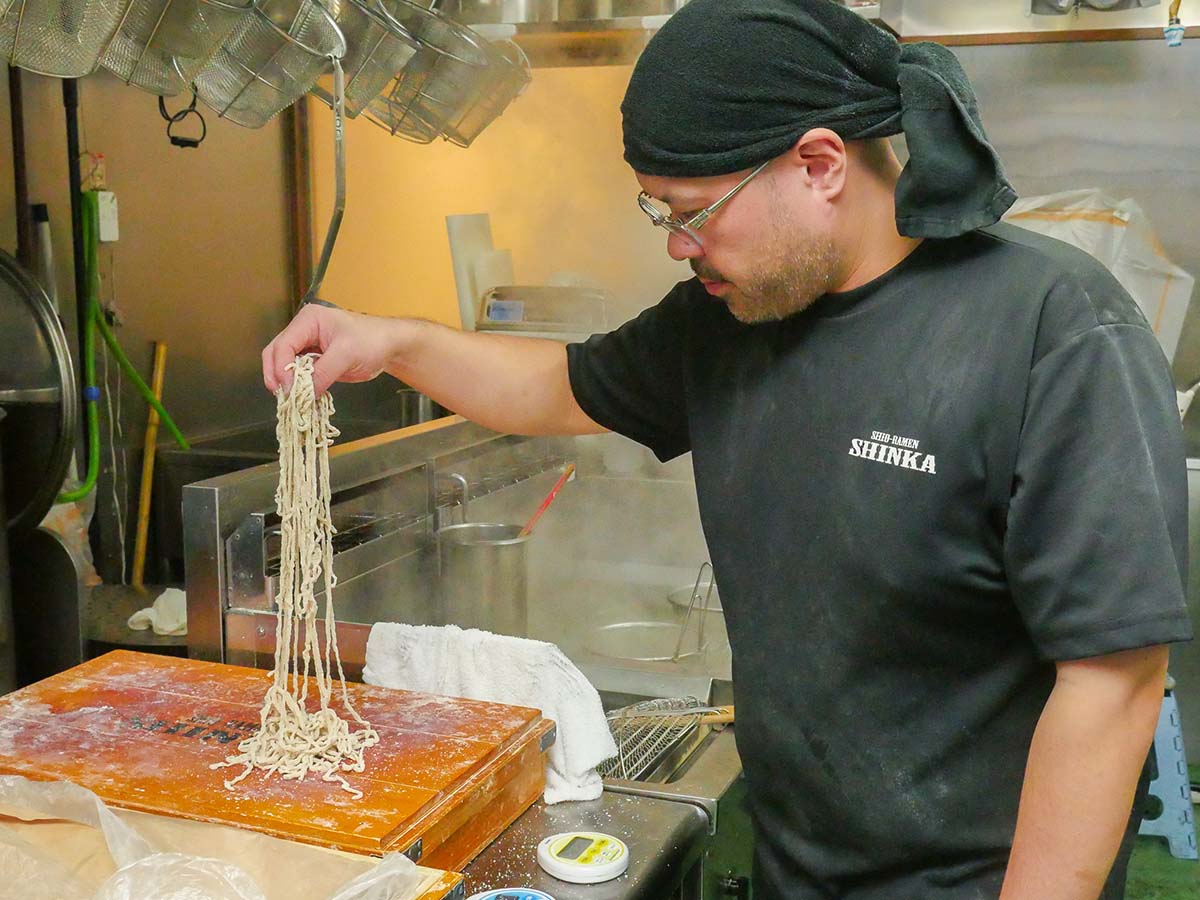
(90, 208)
(128, 369)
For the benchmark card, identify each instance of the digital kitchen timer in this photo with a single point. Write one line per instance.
(583, 857)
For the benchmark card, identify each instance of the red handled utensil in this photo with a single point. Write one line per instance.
(566, 476)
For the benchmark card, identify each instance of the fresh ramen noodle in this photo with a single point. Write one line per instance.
(293, 740)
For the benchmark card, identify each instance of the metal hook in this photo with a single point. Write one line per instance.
(701, 646)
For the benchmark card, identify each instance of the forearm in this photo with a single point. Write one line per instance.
(1084, 762)
(511, 384)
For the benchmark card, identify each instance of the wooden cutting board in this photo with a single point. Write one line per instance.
(141, 731)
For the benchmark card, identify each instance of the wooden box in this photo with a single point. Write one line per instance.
(141, 731)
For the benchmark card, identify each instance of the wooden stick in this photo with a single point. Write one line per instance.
(725, 716)
(143, 519)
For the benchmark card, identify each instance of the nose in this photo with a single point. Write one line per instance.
(681, 247)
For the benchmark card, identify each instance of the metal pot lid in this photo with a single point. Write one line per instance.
(39, 393)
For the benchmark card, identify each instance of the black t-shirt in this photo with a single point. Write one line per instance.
(918, 495)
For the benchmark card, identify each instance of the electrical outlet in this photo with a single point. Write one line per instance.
(109, 231)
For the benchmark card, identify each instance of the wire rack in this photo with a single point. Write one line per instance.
(61, 38)
(161, 45)
(273, 59)
(642, 743)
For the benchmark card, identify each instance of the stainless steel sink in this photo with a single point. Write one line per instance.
(647, 641)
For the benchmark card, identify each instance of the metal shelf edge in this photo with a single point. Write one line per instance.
(45, 395)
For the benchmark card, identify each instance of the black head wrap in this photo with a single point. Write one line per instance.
(728, 84)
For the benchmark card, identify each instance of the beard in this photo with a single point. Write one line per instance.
(796, 266)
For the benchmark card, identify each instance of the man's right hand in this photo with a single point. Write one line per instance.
(352, 347)
(512, 384)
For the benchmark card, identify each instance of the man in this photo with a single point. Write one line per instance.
(939, 465)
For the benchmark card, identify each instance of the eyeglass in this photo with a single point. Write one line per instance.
(690, 229)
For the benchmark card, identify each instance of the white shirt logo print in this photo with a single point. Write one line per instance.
(894, 450)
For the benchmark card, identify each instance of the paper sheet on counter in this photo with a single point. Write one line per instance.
(282, 870)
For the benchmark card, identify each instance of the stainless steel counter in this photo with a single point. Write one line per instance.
(704, 780)
(683, 835)
(665, 839)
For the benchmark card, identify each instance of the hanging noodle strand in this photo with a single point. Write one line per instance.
(292, 740)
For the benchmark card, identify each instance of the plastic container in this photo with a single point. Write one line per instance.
(572, 310)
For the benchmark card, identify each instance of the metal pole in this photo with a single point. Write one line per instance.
(70, 89)
(298, 172)
(20, 179)
(79, 254)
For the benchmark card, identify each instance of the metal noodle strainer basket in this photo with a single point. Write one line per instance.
(455, 85)
(377, 48)
(270, 61)
(510, 75)
(162, 44)
(61, 38)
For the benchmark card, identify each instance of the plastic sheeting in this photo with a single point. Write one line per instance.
(60, 868)
(1119, 234)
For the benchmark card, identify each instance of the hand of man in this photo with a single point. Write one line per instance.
(353, 347)
(512, 384)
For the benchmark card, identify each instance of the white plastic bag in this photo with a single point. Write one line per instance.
(1119, 234)
(173, 876)
(28, 872)
(393, 879)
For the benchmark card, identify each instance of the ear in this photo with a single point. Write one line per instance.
(822, 155)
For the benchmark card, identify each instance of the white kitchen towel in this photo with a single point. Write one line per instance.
(479, 665)
(167, 615)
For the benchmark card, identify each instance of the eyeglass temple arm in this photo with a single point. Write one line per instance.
(698, 220)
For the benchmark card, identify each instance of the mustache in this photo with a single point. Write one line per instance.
(703, 271)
